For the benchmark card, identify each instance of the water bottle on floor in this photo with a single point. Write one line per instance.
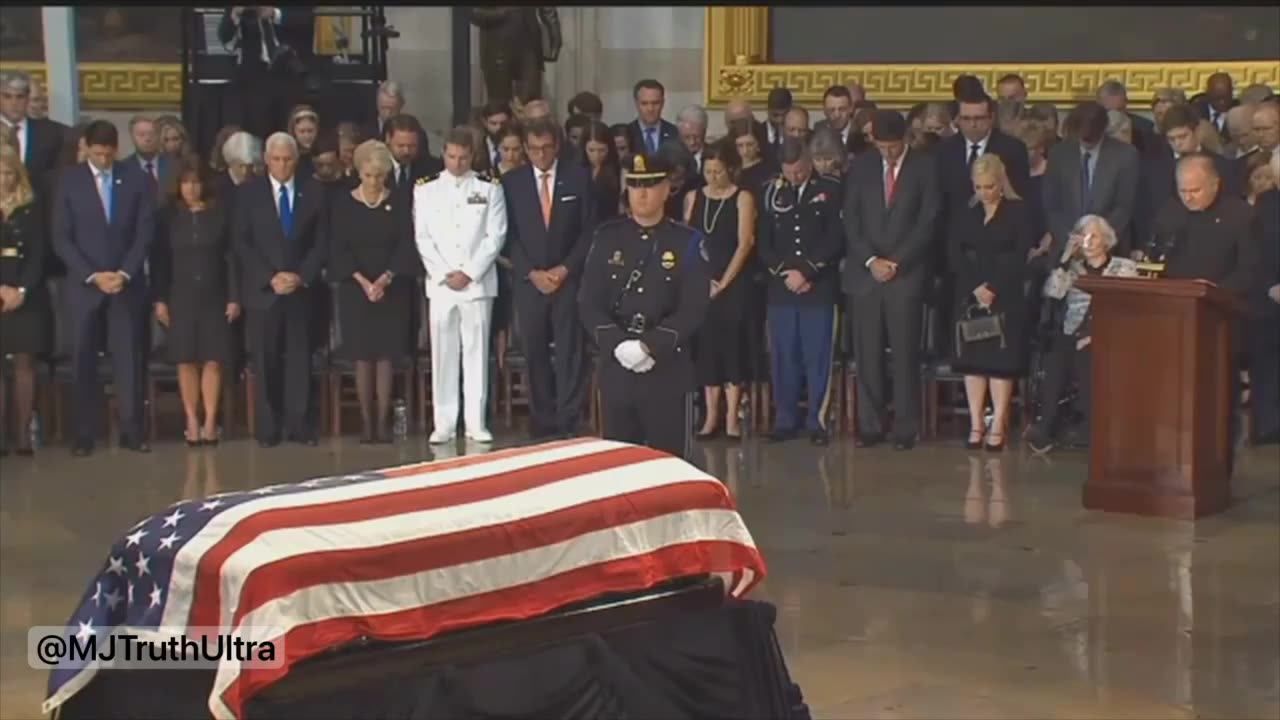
(400, 413)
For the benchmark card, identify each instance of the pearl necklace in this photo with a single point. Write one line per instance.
(715, 218)
(364, 199)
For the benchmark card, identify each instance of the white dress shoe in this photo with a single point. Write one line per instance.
(440, 437)
(480, 435)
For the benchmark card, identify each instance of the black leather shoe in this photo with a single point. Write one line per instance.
(267, 442)
(308, 440)
(868, 440)
(904, 444)
(818, 438)
(82, 449)
(138, 446)
(22, 452)
(779, 436)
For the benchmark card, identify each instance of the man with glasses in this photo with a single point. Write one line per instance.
(550, 215)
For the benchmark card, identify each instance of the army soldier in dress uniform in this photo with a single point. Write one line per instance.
(645, 291)
(800, 242)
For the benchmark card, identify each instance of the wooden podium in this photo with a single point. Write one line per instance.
(1160, 435)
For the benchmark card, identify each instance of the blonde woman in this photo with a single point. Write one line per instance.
(988, 245)
(374, 259)
(173, 136)
(24, 304)
(304, 126)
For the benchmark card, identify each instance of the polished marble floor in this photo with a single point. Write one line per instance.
(929, 584)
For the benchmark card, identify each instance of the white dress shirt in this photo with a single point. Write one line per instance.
(275, 194)
(20, 129)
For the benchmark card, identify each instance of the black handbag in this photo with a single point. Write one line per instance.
(970, 329)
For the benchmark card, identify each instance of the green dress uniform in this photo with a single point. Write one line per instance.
(649, 284)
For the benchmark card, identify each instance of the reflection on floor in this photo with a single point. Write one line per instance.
(929, 584)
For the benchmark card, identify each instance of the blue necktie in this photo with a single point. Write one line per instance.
(653, 139)
(286, 212)
(104, 189)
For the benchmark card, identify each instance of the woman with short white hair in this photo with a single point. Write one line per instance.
(1087, 252)
(374, 261)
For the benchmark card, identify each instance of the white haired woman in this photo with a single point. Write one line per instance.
(988, 245)
(374, 260)
(1087, 252)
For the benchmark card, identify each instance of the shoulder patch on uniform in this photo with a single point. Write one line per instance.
(428, 178)
(485, 177)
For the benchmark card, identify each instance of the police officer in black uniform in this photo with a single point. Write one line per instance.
(645, 291)
(800, 240)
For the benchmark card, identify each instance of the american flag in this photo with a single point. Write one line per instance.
(407, 553)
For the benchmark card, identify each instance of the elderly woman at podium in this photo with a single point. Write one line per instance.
(1088, 252)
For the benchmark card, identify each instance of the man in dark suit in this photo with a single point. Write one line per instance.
(1264, 353)
(1091, 174)
(837, 109)
(649, 131)
(1219, 97)
(1207, 234)
(409, 159)
(277, 238)
(103, 227)
(40, 141)
(891, 208)
(1112, 95)
(550, 218)
(273, 48)
(155, 167)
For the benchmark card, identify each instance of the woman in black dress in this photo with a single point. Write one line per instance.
(196, 282)
(750, 140)
(725, 215)
(606, 171)
(374, 261)
(988, 247)
(25, 316)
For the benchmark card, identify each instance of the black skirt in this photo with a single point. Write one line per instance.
(29, 329)
(722, 348)
(199, 333)
(375, 331)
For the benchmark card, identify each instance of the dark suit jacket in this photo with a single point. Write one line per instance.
(87, 243)
(1114, 193)
(1219, 244)
(259, 239)
(1267, 216)
(44, 153)
(902, 232)
(666, 132)
(1145, 137)
(164, 167)
(1158, 184)
(296, 29)
(531, 245)
(1202, 106)
(953, 166)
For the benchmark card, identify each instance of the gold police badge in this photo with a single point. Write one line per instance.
(668, 260)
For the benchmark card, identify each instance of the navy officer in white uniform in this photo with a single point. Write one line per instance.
(460, 225)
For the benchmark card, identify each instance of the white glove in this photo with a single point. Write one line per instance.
(645, 365)
(630, 354)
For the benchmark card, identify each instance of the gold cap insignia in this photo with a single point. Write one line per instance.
(638, 164)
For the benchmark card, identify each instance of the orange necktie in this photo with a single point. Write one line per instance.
(546, 199)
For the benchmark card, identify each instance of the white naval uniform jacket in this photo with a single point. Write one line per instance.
(460, 224)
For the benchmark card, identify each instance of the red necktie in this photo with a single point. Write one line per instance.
(890, 183)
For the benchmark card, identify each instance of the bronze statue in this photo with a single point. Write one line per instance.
(515, 44)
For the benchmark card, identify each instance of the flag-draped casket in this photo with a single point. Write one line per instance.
(409, 553)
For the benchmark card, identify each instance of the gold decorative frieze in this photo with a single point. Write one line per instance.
(120, 86)
(736, 64)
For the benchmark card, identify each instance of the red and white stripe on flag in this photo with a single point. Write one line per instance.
(444, 546)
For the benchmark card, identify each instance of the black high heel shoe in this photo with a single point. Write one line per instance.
(973, 444)
(192, 443)
(995, 446)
